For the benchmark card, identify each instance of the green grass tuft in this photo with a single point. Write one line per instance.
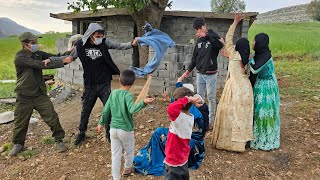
(47, 140)
(7, 90)
(6, 148)
(28, 153)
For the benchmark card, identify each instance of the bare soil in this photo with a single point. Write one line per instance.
(298, 157)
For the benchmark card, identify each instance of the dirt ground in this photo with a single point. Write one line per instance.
(298, 157)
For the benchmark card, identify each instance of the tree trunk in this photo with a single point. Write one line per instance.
(135, 54)
(152, 13)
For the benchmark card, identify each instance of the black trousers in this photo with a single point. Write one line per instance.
(176, 173)
(89, 98)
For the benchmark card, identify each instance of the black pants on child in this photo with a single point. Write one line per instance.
(176, 173)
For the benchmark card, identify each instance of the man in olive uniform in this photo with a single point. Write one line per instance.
(31, 92)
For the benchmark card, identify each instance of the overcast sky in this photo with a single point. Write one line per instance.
(34, 14)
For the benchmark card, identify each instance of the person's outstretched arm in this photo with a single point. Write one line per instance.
(229, 37)
(121, 46)
(27, 61)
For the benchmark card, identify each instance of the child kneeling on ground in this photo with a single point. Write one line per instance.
(120, 106)
(177, 147)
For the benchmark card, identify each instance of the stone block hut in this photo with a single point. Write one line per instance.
(120, 27)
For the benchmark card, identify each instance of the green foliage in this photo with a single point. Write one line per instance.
(6, 148)
(4, 108)
(295, 40)
(7, 90)
(227, 6)
(314, 9)
(131, 5)
(27, 153)
(47, 140)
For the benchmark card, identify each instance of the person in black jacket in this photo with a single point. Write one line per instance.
(98, 67)
(204, 58)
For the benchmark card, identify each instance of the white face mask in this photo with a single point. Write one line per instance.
(33, 47)
(97, 41)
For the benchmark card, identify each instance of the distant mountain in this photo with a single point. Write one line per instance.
(9, 28)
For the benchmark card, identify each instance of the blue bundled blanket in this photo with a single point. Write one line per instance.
(160, 42)
(149, 160)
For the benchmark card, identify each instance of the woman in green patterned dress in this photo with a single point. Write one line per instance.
(266, 125)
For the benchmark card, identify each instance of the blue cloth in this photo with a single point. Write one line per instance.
(149, 160)
(160, 42)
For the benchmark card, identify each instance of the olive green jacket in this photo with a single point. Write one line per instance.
(29, 72)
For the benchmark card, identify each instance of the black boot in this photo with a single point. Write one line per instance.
(80, 138)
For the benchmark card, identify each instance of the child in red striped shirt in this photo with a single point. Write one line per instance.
(177, 147)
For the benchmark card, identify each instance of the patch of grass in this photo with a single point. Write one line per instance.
(6, 148)
(16, 172)
(28, 153)
(5, 107)
(299, 79)
(291, 39)
(7, 90)
(10, 46)
(299, 82)
(47, 140)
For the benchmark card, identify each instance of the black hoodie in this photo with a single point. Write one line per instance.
(205, 54)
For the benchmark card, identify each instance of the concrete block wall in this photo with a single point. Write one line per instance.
(181, 31)
(120, 29)
(176, 60)
(174, 64)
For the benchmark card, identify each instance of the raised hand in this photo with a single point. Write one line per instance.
(200, 34)
(238, 17)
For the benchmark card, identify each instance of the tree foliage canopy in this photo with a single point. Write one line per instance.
(227, 6)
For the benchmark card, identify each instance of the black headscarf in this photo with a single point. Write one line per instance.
(262, 51)
(243, 47)
(262, 54)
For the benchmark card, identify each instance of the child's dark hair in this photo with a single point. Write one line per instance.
(127, 78)
(182, 92)
(198, 23)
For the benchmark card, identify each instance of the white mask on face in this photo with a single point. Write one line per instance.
(97, 41)
(33, 47)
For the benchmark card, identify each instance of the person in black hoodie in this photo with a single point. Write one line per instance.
(98, 67)
(204, 58)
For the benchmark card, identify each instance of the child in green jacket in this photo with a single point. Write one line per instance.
(120, 106)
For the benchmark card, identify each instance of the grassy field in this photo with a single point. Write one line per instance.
(293, 40)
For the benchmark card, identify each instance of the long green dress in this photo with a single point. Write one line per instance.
(266, 125)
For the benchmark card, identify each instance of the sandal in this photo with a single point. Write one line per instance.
(127, 172)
